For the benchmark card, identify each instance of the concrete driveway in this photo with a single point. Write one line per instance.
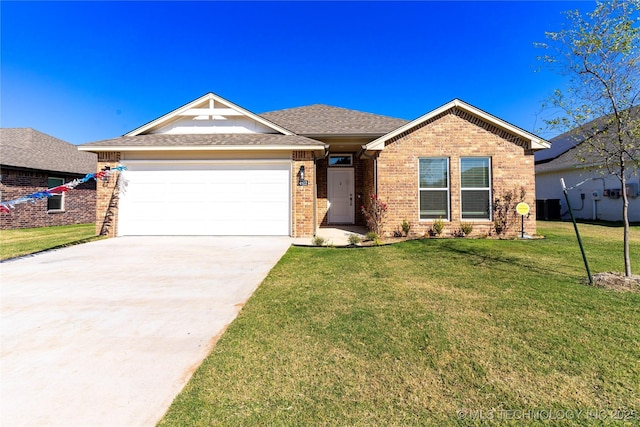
(107, 333)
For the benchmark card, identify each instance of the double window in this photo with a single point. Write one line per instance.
(475, 188)
(55, 202)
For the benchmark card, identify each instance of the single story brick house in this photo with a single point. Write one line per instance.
(212, 167)
(32, 161)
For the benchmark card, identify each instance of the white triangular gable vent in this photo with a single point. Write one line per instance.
(209, 114)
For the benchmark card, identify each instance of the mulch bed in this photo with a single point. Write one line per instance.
(616, 281)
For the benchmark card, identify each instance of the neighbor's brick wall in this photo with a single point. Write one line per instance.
(453, 134)
(302, 203)
(107, 196)
(79, 203)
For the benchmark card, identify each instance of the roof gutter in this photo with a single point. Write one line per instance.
(96, 149)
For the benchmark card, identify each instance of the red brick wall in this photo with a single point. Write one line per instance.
(79, 203)
(453, 134)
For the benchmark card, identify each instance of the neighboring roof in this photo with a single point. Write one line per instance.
(222, 141)
(559, 145)
(572, 158)
(209, 98)
(29, 149)
(573, 138)
(324, 120)
(535, 142)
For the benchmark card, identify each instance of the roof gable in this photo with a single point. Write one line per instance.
(30, 149)
(209, 114)
(535, 143)
(324, 120)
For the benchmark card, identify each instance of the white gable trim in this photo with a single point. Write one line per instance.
(188, 109)
(536, 142)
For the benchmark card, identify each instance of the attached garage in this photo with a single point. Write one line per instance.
(224, 197)
(208, 168)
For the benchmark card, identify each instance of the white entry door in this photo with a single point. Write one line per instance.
(340, 188)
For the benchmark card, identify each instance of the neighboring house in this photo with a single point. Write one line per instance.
(31, 161)
(593, 194)
(213, 167)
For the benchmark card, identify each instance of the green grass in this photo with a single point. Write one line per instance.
(410, 334)
(15, 243)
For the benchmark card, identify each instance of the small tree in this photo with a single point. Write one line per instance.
(600, 54)
(374, 212)
(504, 209)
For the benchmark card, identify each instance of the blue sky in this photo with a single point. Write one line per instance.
(86, 71)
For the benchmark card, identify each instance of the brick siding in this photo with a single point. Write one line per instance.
(453, 134)
(302, 203)
(107, 196)
(79, 203)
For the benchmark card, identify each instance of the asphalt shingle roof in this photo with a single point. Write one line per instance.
(188, 140)
(320, 119)
(31, 149)
(565, 153)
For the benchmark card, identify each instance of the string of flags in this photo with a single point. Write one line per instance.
(6, 207)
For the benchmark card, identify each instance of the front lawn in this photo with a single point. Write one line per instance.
(14, 243)
(429, 332)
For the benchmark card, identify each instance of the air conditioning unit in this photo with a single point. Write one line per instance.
(595, 195)
(633, 190)
(614, 193)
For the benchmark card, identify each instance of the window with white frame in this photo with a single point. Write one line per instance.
(56, 202)
(475, 187)
(433, 183)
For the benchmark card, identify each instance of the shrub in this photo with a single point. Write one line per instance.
(406, 227)
(319, 241)
(438, 226)
(371, 235)
(374, 212)
(466, 228)
(354, 239)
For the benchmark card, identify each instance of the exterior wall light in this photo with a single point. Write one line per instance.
(301, 180)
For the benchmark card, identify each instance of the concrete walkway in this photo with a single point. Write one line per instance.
(333, 235)
(107, 333)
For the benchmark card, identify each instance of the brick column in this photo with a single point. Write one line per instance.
(107, 196)
(302, 197)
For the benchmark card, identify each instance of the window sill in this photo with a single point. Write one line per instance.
(56, 211)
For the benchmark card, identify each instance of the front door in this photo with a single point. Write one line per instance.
(340, 188)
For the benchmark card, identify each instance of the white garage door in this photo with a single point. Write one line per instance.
(213, 198)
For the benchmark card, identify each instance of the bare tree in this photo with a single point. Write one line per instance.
(599, 53)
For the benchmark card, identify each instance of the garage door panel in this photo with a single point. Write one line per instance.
(214, 199)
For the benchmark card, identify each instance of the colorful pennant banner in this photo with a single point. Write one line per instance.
(103, 174)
